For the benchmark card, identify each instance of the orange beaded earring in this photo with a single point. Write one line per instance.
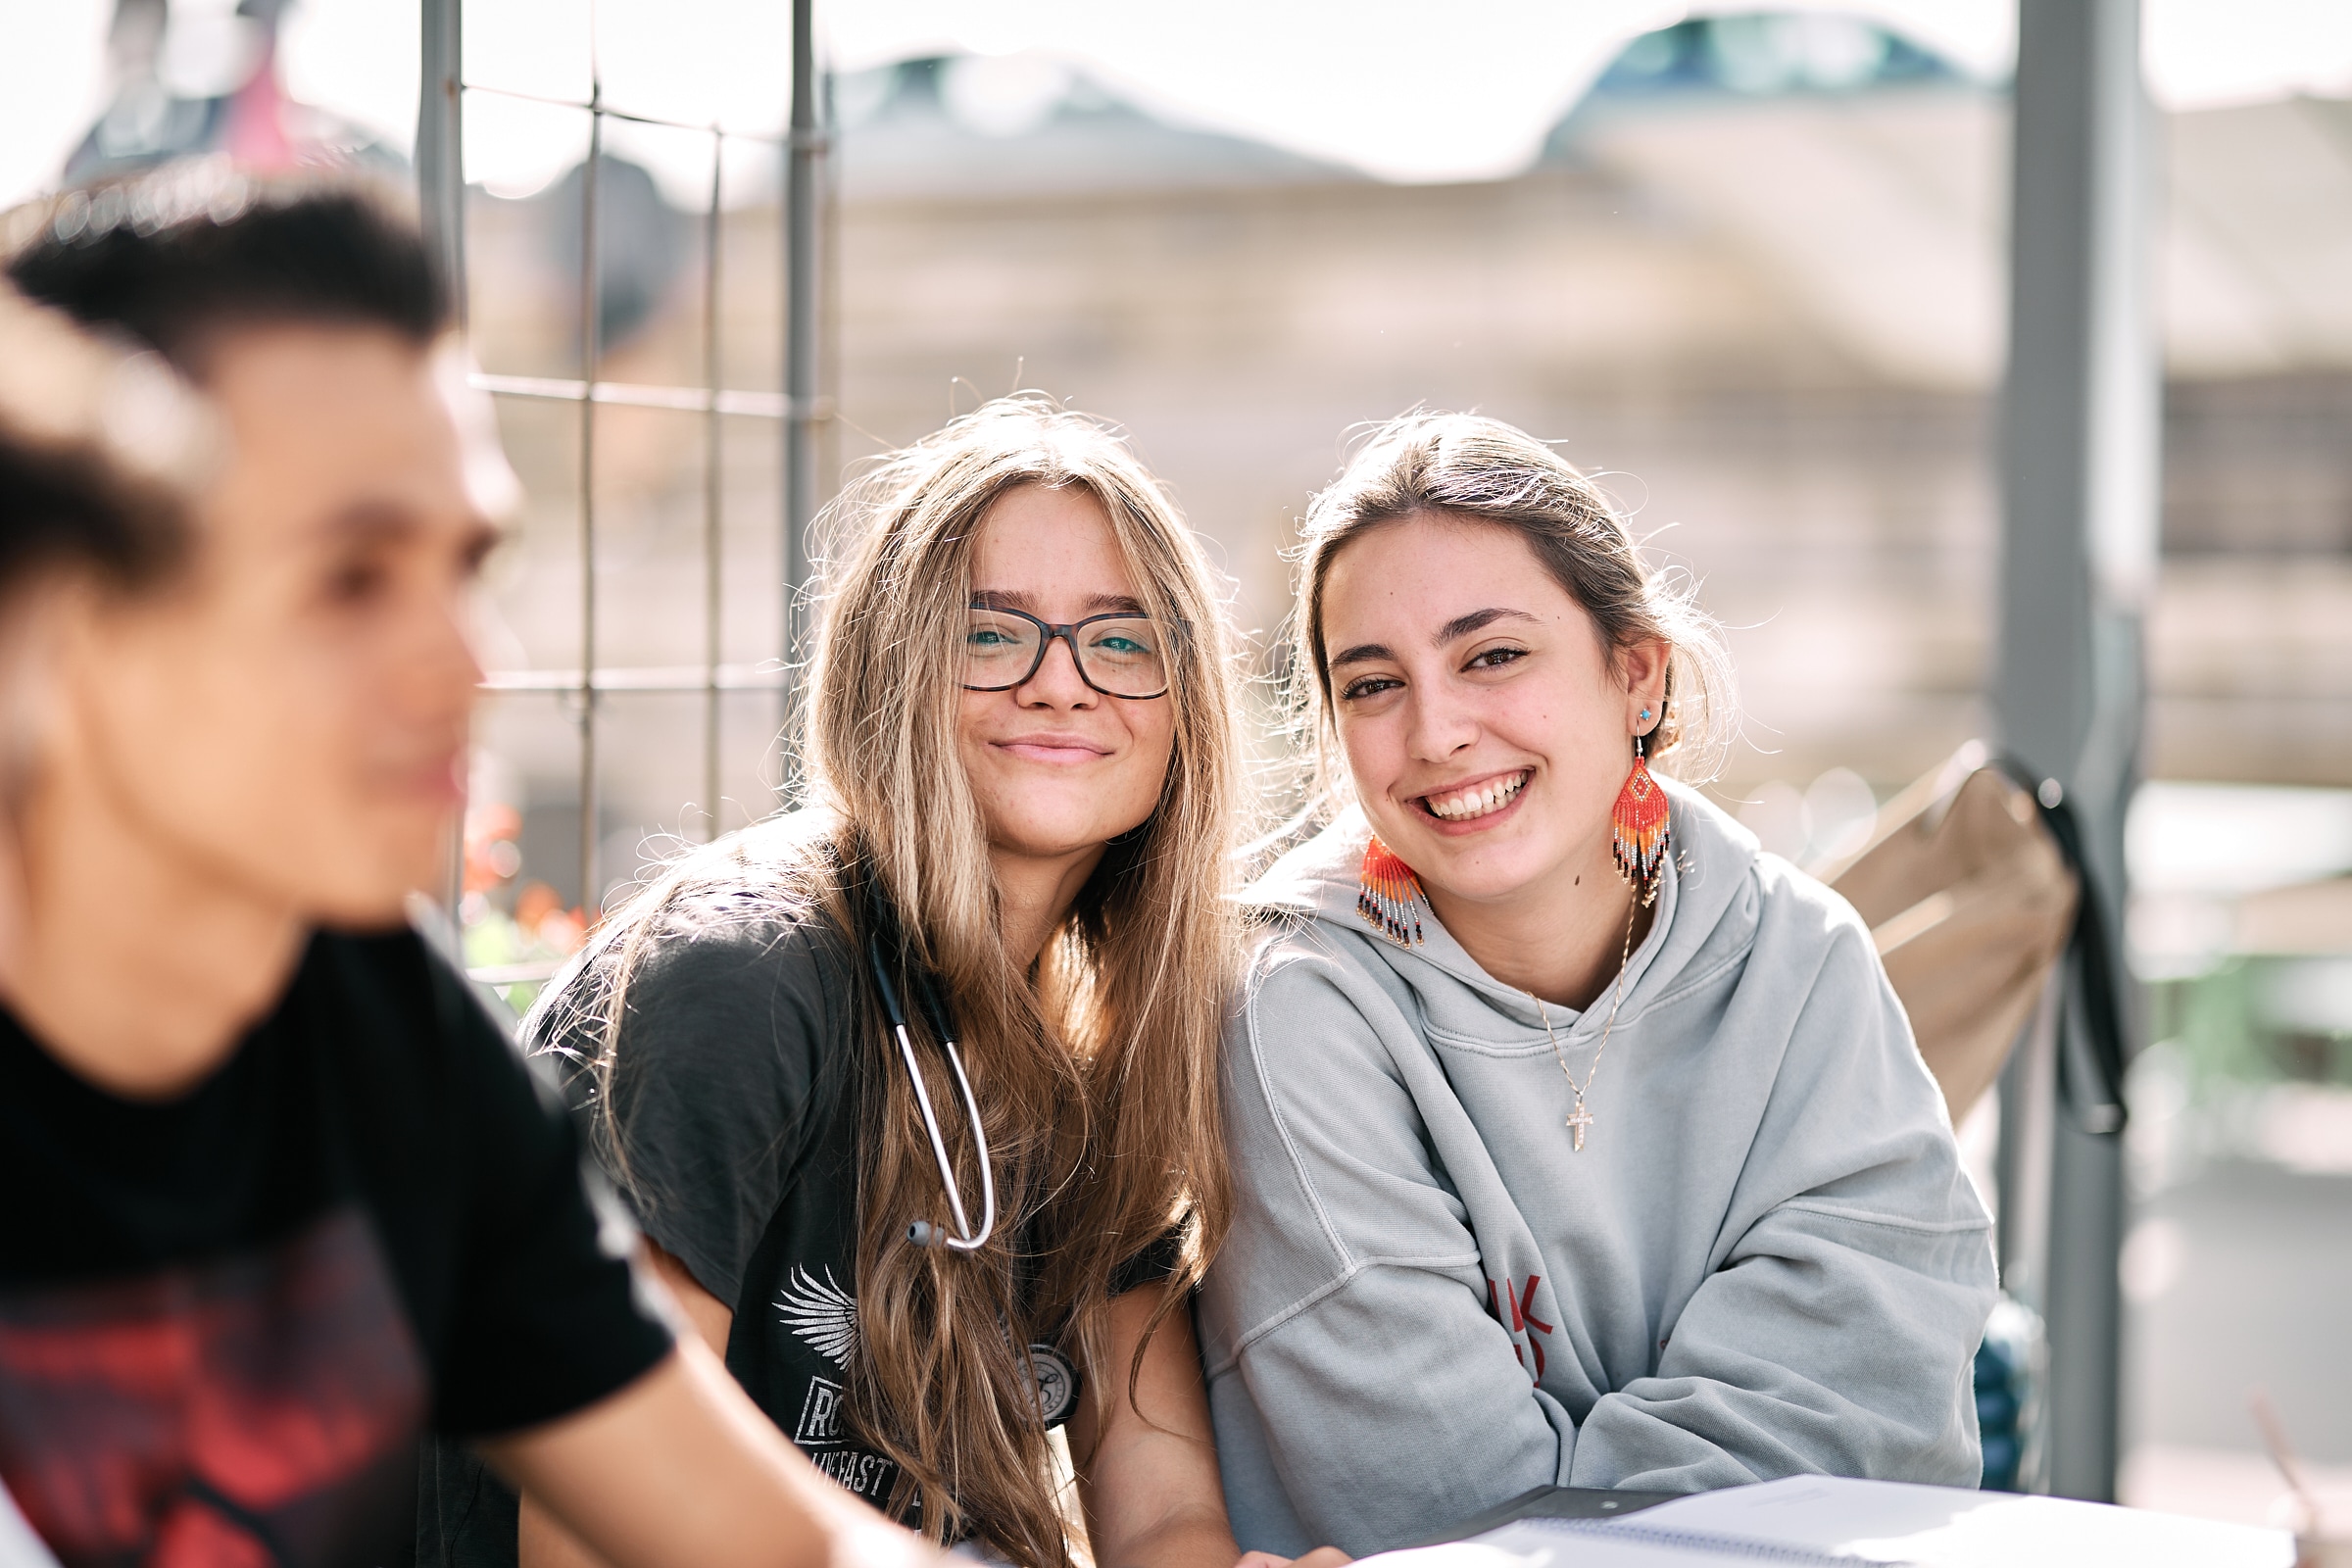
(1641, 830)
(1389, 895)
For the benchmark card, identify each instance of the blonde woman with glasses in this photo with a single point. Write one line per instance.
(1576, 1140)
(914, 1090)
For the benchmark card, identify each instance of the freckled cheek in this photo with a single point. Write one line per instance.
(971, 719)
(1375, 753)
(1152, 751)
(1535, 719)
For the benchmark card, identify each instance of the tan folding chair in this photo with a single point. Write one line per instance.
(1971, 902)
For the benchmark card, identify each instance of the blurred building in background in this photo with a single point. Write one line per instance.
(1755, 281)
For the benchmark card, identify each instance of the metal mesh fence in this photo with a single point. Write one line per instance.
(696, 421)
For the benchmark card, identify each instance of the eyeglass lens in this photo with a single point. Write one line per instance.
(1116, 654)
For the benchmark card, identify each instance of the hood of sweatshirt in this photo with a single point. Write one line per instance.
(1764, 1259)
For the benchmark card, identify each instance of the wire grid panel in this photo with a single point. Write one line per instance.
(586, 688)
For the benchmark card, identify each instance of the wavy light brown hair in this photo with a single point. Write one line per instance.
(1477, 470)
(1095, 1070)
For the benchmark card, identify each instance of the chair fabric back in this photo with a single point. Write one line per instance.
(1971, 901)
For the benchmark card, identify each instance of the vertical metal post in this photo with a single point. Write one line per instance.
(441, 143)
(713, 486)
(2079, 493)
(828, 307)
(2029, 1106)
(441, 214)
(801, 190)
(591, 325)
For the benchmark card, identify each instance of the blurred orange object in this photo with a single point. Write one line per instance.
(491, 856)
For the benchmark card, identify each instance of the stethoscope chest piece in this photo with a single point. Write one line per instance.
(1054, 1382)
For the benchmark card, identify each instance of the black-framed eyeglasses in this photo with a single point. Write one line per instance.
(1118, 656)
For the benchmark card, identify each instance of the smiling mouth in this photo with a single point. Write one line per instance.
(1050, 748)
(1477, 801)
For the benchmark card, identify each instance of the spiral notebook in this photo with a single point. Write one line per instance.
(1826, 1522)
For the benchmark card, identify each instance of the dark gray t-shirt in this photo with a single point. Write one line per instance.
(736, 1096)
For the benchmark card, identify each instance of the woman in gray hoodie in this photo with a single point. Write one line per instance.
(1575, 1139)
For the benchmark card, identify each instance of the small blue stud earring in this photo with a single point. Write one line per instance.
(1645, 713)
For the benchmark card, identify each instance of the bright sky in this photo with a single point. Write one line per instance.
(1377, 84)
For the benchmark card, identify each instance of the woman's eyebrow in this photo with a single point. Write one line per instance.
(1458, 626)
(1476, 621)
(1026, 602)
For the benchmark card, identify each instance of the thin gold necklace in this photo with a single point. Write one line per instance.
(1580, 1118)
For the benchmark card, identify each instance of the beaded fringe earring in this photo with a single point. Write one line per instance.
(1389, 895)
(1641, 836)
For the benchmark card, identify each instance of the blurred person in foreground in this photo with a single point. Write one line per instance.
(283, 1196)
(99, 450)
(1024, 780)
(1576, 1140)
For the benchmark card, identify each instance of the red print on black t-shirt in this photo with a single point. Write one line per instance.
(259, 1409)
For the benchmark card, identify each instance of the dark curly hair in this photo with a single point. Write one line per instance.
(173, 258)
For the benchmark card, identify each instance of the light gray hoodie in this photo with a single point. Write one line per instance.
(1766, 1260)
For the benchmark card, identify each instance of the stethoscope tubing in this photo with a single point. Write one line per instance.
(1055, 1407)
(964, 1239)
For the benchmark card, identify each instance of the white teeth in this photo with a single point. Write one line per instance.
(1477, 801)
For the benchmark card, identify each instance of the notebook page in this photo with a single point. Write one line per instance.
(1594, 1543)
(1944, 1527)
(1819, 1522)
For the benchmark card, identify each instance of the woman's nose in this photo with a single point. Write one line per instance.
(1435, 727)
(1057, 682)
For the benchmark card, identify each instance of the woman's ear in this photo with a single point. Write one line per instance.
(1642, 665)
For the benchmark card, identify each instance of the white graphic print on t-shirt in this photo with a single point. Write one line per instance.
(824, 1317)
(823, 1314)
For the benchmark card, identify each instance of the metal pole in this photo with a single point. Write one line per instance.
(714, 485)
(441, 143)
(591, 321)
(800, 191)
(828, 305)
(441, 214)
(2079, 493)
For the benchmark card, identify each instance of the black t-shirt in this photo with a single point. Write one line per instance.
(736, 1097)
(738, 1105)
(226, 1318)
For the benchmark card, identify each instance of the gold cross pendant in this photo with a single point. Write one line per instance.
(1577, 1121)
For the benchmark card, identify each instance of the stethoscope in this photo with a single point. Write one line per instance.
(922, 1233)
(1053, 1379)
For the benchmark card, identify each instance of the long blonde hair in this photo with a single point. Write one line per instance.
(1097, 1071)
